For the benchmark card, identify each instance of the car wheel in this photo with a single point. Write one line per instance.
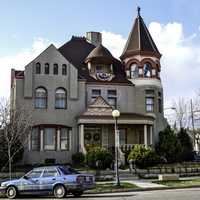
(59, 191)
(77, 193)
(11, 192)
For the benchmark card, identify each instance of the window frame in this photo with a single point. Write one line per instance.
(57, 98)
(94, 96)
(55, 69)
(112, 96)
(37, 138)
(66, 139)
(38, 68)
(149, 104)
(38, 98)
(64, 69)
(46, 68)
(148, 64)
(54, 139)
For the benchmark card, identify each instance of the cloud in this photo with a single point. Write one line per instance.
(18, 61)
(180, 60)
(114, 42)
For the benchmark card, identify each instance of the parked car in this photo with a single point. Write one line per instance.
(58, 180)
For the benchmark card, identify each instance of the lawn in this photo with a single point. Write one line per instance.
(111, 187)
(180, 183)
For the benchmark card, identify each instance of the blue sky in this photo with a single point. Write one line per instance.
(57, 20)
(28, 27)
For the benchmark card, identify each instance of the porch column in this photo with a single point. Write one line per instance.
(81, 139)
(151, 135)
(42, 140)
(58, 139)
(145, 136)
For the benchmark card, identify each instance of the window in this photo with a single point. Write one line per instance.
(50, 172)
(38, 68)
(149, 92)
(60, 99)
(35, 139)
(99, 69)
(49, 138)
(55, 69)
(95, 94)
(64, 139)
(64, 69)
(149, 104)
(122, 136)
(40, 98)
(34, 174)
(147, 70)
(112, 98)
(134, 71)
(46, 68)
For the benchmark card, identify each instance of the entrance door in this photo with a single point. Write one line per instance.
(92, 136)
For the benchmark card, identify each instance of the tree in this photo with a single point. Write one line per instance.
(168, 145)
(15, 127)
(186, 145)
(182, 112)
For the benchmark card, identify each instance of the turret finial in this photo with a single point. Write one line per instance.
(138, 10)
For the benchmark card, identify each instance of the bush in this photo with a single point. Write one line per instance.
(99, 158)
(186, 153)
(78, 158)
(168, 146)
(143, 157)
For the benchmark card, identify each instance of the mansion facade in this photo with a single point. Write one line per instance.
(72, 90)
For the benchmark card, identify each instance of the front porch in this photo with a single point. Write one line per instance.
(103, 135)
(96, 127)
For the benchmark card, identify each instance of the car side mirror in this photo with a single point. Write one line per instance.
(25, 177)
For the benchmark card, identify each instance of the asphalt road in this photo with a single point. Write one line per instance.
(180, 194)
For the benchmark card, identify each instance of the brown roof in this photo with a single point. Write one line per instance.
(100, 53)
(140, 40)
(77, 50)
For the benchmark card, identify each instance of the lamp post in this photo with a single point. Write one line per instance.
(116, 114)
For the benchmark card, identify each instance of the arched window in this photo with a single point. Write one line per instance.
(64, 69)
(134, 71)
(61, 99)
(147, 70)
(38, 68)
(46, 68)
(40, 98)
(55, 69)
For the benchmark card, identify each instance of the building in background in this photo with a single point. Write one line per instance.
(72, 90)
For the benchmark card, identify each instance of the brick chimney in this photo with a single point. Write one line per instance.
(94, 38)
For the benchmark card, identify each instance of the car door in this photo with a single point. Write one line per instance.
(30, 182)
(48, 179)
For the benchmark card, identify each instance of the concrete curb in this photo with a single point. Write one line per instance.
(143, 189)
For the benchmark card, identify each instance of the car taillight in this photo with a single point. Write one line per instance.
(80, 179)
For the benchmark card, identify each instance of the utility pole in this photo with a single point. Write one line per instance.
(192, 117)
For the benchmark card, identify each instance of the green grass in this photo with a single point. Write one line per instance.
(111, 187)
(180, 183)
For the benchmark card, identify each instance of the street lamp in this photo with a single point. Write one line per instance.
(116, 114)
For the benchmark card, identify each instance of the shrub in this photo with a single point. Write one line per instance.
(186, 146)
(143, 157)
(168, 146)
(99, 158)
(78, 158)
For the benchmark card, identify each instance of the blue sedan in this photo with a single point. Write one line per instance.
(58, 180)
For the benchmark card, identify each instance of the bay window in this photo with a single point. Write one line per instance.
(49, 138)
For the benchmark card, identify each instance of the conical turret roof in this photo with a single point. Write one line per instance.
(140, 40)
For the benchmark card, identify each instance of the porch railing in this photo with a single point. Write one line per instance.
(123, 147)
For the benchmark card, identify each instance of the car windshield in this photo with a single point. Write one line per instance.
(68, 170)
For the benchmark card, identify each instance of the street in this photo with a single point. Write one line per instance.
(180, 194)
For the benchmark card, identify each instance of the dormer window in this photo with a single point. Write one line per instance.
(147, 70)
(99, 69)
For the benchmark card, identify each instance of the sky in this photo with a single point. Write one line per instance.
(28, 27)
